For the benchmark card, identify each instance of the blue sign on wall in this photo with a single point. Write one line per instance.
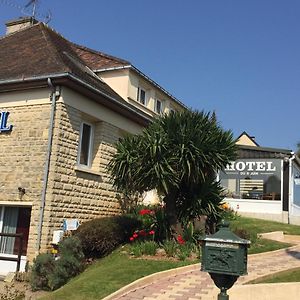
(3, 122)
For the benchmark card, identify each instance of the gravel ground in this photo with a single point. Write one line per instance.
(11, 290)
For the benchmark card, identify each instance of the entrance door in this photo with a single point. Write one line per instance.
(14, 220)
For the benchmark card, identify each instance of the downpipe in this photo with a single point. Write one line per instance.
(290, 185)
(55, 93)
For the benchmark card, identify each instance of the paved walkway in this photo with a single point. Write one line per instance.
(197, 285)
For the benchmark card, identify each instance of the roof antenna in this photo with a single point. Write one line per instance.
(34, 4)
(48, 17)
(33, 13)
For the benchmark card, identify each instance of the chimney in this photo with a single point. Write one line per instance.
(23, 22)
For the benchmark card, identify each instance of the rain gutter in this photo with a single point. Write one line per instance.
(59, 76)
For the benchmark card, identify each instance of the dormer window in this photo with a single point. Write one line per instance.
(141, 96)
(158, 106)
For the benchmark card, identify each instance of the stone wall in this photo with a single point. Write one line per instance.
(22, 160)
(75, 192)
(72, 191)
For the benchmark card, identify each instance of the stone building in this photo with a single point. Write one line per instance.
(63, 107)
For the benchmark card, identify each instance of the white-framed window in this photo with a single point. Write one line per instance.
(85, 144)
(141, 96)
(158, 106)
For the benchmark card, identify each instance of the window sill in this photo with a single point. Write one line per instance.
(16, 203)
(83, 169)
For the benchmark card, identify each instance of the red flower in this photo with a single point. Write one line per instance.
(145, 212)
(135, 235)
(131, 239)
(142, 233)
(152, 232)
(180, 240)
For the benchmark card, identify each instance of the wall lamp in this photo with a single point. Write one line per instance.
(21, 192)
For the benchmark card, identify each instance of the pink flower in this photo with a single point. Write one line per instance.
(152, 232)
(131, 239)
(135, 235)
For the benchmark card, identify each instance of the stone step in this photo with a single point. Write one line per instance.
(275, 235)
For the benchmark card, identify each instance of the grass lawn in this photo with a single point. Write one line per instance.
(261, 226)
(256, 226)
(292, 275)
(117, 270)
(108, 275)
(263, 245)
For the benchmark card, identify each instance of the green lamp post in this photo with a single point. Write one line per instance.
(224, 257)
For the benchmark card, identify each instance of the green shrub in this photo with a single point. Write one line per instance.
(149, 247)
(184, 251)
(229, 215)
(188, 232)
(100, 237)
(136, 249)
(42, 266)
(50, 274)
(170, 248)
(69, 264)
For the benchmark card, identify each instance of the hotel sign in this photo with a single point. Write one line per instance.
(251, 167)
(3, 122)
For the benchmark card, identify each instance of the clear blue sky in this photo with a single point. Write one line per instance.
(238, 57)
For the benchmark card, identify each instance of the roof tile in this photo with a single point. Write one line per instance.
(98, 60)
(40, 51)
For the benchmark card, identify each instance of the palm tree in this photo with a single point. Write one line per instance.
(178, 155)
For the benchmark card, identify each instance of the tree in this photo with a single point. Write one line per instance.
(298, 150)
(178, 155)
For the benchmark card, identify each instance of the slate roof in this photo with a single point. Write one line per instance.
(262, 152)
(38, 51)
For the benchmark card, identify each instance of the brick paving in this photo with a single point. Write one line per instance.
(197, 285)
